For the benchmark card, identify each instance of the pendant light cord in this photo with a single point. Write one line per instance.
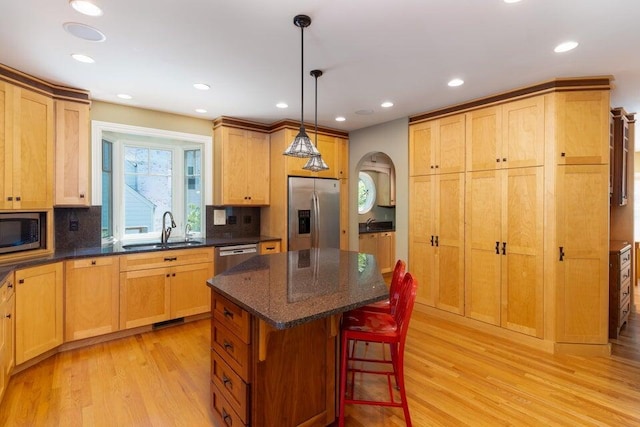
(301, 77)
(316, 113)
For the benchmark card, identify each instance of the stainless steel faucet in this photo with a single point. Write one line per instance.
(187, 232)
(369, 221)
(166, 231)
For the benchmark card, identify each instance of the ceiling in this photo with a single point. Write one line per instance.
(404, 51)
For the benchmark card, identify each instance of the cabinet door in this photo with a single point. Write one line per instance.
(421, 235)
(522, 260)
(39, 314)
(33, 151)
(449, 210)
(235, 167)
(450, 144)
(258, 172)
(6, 145)
(368, 244)
(72, 154)
(189, 291)
(523, 133)
(582, 127)
(484, 139)
(386, 251)
(342, 163)
(581, 259)
(6, 342)
(422, 148)
(483, 239)
(144, 297)
(344, 214)
(92, 297)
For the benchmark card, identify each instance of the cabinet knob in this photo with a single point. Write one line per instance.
(504, 159)
(8, 316)
(82, 195)
(18, 198)
(9, 199)
(562, 155)
(10, 285)
(93, 262)
(21, 281)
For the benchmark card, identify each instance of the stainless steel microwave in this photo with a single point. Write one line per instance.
(21, 232)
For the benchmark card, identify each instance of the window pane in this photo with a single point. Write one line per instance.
(193, 189)
(147, 195)
(107, 189)
(366, 193)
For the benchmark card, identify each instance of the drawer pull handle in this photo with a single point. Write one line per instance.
(21, 281)
(10, 285)
(228, 346)
(228, 313)
(226, 381)
(93, 262)
(18, 198)
(561, 253)
(270, 248)
(504, 248)
(8, 316)
(625, 293)
(173, 258)
(497, 248)
(625, 276)
(227, 418)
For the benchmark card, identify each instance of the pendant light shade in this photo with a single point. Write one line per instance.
(301, 145)
(315, 163)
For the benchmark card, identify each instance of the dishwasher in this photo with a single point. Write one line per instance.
(230, 256)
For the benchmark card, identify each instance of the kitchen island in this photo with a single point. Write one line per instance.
(274, 332)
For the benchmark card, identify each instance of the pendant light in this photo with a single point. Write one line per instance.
(301, 145)
(315, 163)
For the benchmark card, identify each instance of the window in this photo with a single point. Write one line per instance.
(144, 176)
(366, 193)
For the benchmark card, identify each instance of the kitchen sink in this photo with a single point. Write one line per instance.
(375, 226)
(158, 245)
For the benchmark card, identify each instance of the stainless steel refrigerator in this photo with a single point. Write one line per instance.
(314, 213)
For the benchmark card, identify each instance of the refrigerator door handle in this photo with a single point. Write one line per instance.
(314, 220)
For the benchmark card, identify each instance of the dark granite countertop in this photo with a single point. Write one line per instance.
(118, 249)
(375, 227)
(291, 288)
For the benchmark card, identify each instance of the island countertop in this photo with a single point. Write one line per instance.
(290, 288)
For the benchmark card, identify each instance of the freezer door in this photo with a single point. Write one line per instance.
(300, 213)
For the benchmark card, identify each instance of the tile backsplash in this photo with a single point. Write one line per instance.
(77, 228)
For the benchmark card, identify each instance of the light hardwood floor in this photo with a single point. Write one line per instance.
(455, 376)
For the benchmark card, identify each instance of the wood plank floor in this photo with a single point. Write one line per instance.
(455, 376)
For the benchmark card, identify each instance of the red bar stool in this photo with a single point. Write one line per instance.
(388, 305)
(383, 328)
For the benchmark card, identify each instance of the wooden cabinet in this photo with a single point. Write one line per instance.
(335, 153)
(344, 214)
(619, 286)
(241, 167)
(437, 146)
(382, 245)
(581, 253)
(7, 332)
(581, 127)
(72, 154)
(164, 285)
(506, 136)
(619, 160)
(39, 314)
(504, 248)
(92, 297)
(255, 370)
(386, 189)
(26, 145)
(270, 247)
(436, 245)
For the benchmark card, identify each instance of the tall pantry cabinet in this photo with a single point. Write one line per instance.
(534, 213)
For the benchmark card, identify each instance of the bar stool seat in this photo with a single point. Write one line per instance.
(386, 306)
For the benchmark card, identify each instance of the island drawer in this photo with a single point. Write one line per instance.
(222, 408)
(232, 349)
(232, 317)
(625, 291)
(230, 385)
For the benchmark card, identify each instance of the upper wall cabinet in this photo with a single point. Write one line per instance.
(72, 154)
(437, 146)
(334, 151)
(582, 124)
(26, 148)
(241, 167)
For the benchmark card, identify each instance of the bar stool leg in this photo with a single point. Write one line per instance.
(343, 377)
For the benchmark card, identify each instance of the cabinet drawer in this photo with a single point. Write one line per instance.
(165, 258)
(269, 247)
(232, 349)
(92, 262)
(625, 272)
(231, 316)
(625, 258)
(229, 384)
(624, 311)
(222, 408)
(625, 290)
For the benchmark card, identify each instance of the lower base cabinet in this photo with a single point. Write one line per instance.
(257, 371)
(7, 337)
(382, 245)
(39, 326)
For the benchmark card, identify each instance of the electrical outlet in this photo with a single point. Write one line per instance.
(231, 219)
(74, 225)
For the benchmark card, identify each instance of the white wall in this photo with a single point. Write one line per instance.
(391, 138)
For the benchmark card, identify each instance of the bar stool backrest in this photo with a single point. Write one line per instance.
(396, 281)
(408, 290)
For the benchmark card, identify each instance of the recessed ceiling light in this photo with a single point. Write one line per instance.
(84, 32)
(364, 112)
(83, 58)
(86, 7)
(282, 105)
(340, 119)
(124, 96)
(455, 82)
(387, 104)
(201, 86)
(511, 1)
(201, 110)
(565, 47)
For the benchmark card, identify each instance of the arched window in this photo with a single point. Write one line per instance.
(366, 193)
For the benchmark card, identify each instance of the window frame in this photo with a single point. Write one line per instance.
(204, 143)
(371, 194)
